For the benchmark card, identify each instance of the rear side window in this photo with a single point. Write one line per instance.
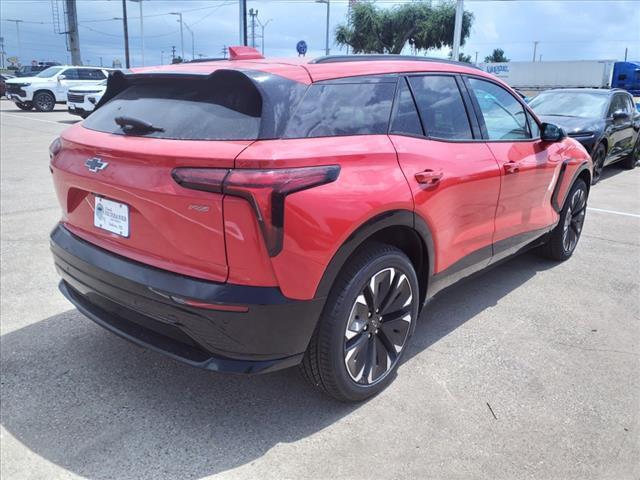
(71, 74)
(441, 107)
(186, 109)
(342, 109)
(405, 118)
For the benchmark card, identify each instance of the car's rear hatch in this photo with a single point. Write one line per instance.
(116, 188)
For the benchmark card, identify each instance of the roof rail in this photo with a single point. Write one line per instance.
(209, 59)
(383, 56)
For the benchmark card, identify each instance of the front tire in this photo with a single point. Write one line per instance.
(599, 155)
(632, 160)
(44, 101)
(565, 236)
(366, 323)
(26, 106)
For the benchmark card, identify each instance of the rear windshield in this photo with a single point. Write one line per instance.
(185, 110)
(342, 109)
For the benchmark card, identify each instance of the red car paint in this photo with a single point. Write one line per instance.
(479, 193)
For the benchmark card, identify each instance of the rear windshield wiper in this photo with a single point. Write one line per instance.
(131, 124)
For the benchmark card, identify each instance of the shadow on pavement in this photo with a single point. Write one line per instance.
(102, 408)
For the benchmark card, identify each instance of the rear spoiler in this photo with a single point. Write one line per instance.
(266, 95)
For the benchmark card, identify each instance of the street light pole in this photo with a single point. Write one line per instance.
(457, 30)
(141, 29)
(179, 14)
(535, 47)
(18, 22)
(326, 45)
(262, 27)
(193, 48)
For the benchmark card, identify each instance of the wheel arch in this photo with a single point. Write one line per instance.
(582, 172)
(400, 228)
(43, 90)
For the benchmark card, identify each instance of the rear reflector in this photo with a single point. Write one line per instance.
(265, 190)
(210, 306)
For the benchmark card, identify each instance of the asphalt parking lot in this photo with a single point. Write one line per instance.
(528, 371)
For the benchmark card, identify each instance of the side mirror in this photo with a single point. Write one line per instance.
(552, 133)
(620, 116)
(61, 77)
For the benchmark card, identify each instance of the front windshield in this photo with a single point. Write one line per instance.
(49, 72)
(570, 104)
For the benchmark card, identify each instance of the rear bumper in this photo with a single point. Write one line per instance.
(145, 305)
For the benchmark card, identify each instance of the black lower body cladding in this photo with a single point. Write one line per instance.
(141, 303)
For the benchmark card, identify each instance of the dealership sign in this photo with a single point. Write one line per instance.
(497, 69)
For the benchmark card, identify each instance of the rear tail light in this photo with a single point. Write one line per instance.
(55, 147)
(265, 190)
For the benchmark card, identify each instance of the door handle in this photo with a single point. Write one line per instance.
(512, 167)
(429, 177)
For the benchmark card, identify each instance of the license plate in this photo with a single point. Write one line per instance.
(111, 216)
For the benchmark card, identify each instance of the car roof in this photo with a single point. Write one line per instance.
(308, 71)
(596, 91)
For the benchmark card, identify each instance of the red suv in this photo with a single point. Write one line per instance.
(250, 215)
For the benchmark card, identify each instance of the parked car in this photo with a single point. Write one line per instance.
(82, 100)
(3, 87)
(250, 215)
(50, 86)
(32, 70)
(606, 122)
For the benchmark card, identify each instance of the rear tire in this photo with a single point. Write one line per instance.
(365, 326)
(599, 155)
(632, 160)
(44, 101)
(26, 106)
(565, 236)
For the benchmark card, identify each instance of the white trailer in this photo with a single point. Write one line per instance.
(536, 76)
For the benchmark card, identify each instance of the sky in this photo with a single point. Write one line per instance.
(565, 29)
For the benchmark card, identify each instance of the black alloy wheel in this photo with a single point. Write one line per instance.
(574, 220)
(378, 326)
(44, 102)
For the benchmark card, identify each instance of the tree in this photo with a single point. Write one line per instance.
(376, 30)
(461, 57)
(496, 57)
(177, 59)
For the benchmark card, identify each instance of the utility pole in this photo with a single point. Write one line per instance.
(326, 43)
(626, 51)
(242, 7)
(126, 34)
(535, 48)
(72, 32)
(179, 14)
(253, 14)
(161, 57)
(457, 30)
(173, 53)
(476, 58)
(2, 52)
(224, 51)
(141, 29)
(17, 22)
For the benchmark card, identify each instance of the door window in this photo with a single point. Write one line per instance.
(533, 126)
(71, 74)
(90, 74)
(441, 107)
(504, 116)
(617, 103)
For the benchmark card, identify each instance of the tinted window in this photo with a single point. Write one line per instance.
(71, 74)
(405, 118)
(186, 109)
(90, 74)
(441, 107)
(342, 109)
(617, 103)
(504, 117)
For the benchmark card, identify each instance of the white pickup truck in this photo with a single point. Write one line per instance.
(50, 86)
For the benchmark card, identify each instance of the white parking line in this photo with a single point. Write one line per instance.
(602, 210)
(28, 118)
